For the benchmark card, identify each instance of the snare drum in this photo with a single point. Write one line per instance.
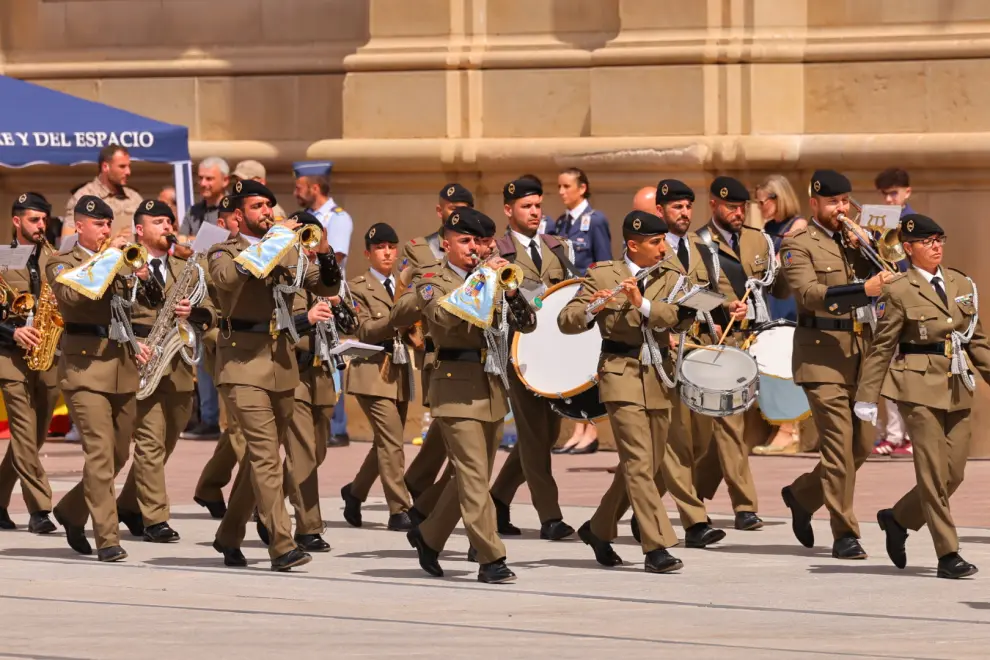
(718, 381)
(781, 399)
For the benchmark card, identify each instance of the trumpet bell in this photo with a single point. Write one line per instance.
(310, 236)
(510, 277)
(22, 304)
(890, 246)
(136, 255)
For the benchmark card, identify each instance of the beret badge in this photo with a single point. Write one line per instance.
(150, 205)
(450, 191)
(454, 219)
(664, 190)
(91, 206)
(239, 187)
(226, 202)
(512, 189)
(817, 186)
(22, 199)
(910, 225)
(371, 234)
(637, 223)
(724, 192)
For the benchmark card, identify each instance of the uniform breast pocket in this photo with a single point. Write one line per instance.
(924, 324)
(831, 272)
(968, 309)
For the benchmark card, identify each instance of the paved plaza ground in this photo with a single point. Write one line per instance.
(757, 595)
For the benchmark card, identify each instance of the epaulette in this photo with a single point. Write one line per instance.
(799, 232)
(956, 270)
(599, 264)
(338, 209)
(359, 279)
(752, 228)
(896, 277)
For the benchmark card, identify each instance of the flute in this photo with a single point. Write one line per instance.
(643, 273)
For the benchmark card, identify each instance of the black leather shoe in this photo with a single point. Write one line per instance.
(113, 553)
(311, 543)
(428, 557)
(702, 535)
(263, 534)
(472, 555)
(291, 559)
(747, 521)
(5, 521)
(604, 554)
(160, 533)
(352, 506)
(661, 561)
(76, 536)
(590, 448)
(216, 509)
(495, 573)
(800, 519)
(341, 440)
(896, 537)
(634, 528)
(132, 521)
(400, 522)
(40, 523)
(555, 530)
(505, 526)
(848, 547)
(953, 567)
(231, 556)
(416, 516)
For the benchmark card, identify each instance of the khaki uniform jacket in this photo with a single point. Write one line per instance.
(811, 262)
(255, 358)
(12, 364)
(178, 375)
(551, 272)
(123, 206)
(461, 389)
(910, 312)
(626, 379)
(315, 381)
(92, 363)
(422, 252)
(377, 375)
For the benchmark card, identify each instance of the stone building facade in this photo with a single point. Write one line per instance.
(404, 95)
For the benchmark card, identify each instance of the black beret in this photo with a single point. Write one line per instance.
(916, 227)
(829, 183)
(728, 189)
(643, 224)
(227, 205)
(521, 188)
(455, 192)
(31, 201)
(466, 220)
(672, 190)
(380, 232)
(305, 218)
(154, 208)
(251, 188)
(93, 207)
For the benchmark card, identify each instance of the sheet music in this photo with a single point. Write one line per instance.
(15, 258)
(702, 300)
(208, 236)
(68, 242)
(354, 348)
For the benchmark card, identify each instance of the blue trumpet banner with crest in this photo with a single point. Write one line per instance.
(92, 277)
(474, 301)
(263, 256)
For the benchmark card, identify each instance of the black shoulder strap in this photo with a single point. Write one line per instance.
(560, 252)
(506, 248)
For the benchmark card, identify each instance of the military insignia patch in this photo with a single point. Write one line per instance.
(429, 274)
(965, 300)
(427, 292)
(22, 199)
(881, 308)
(59, 268)
(216, 255)
(833, 308)
(788, 259)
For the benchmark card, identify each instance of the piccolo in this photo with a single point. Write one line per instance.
(643, 273)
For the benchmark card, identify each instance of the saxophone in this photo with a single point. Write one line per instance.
(170, 335)
(48, 322)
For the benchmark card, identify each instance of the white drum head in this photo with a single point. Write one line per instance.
(718, 370)
(551, 363)
(772, 349)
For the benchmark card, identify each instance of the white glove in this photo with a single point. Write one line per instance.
(866, 412)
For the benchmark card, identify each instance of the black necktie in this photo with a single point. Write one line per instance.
(388, 287)
(735, 243)
(642, 285)
(534, 253)
(682, 252)
(35, 275)
(937, 283)
(156, 269)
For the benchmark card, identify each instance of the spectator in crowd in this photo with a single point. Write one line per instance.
(110, 185)
(214, 177)
(167, 195)
(586, 228)
(781, 213)
(312, 192)
(895, 186)
(254, 171)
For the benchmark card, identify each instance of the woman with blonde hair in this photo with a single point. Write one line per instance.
(782, 217)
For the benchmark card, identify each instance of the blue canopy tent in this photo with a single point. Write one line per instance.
(40, 126)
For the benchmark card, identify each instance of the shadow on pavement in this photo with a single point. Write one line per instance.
(776, 550)
(60, 552)
(869, 569)
(408, 573)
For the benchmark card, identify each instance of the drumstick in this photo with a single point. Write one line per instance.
(707, 348)
(732, 320)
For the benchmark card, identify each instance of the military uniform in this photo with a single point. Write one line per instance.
(161, 417)
(30, 398)
(122, 203)
(637, 400)
(587, 230)
(909, 363)
(828, 349)
(99, 379)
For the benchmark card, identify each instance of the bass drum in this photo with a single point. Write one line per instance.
(781, 400)
(583, 407)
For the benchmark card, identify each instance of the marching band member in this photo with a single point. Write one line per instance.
(28, 395)
(255, 280)
(381, 383)
(468, 397)
(824, 275)
(544, 262)
(632, 388)
(741, 256)
(142, 504)
(928, 324)
(98, 374)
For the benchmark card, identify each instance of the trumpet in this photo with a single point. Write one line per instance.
(510, 276)
(12, 302)
(310, 236)
(135, 254)
(599, 305)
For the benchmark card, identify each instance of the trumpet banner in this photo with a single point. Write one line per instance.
(474, 301)
(92, 277)
(263, 256)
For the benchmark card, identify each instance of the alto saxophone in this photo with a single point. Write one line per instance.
(47, 321)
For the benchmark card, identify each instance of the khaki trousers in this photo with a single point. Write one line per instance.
(426, 502)
(689, 434)
(264, 418)
(305, 451)
(845, 444)
(30, 405)
(160, 419)
(941, 447)
(388, 421)
(105, 422)
(641, 438)
(227, 454)
(471, 445)
(727, 456)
